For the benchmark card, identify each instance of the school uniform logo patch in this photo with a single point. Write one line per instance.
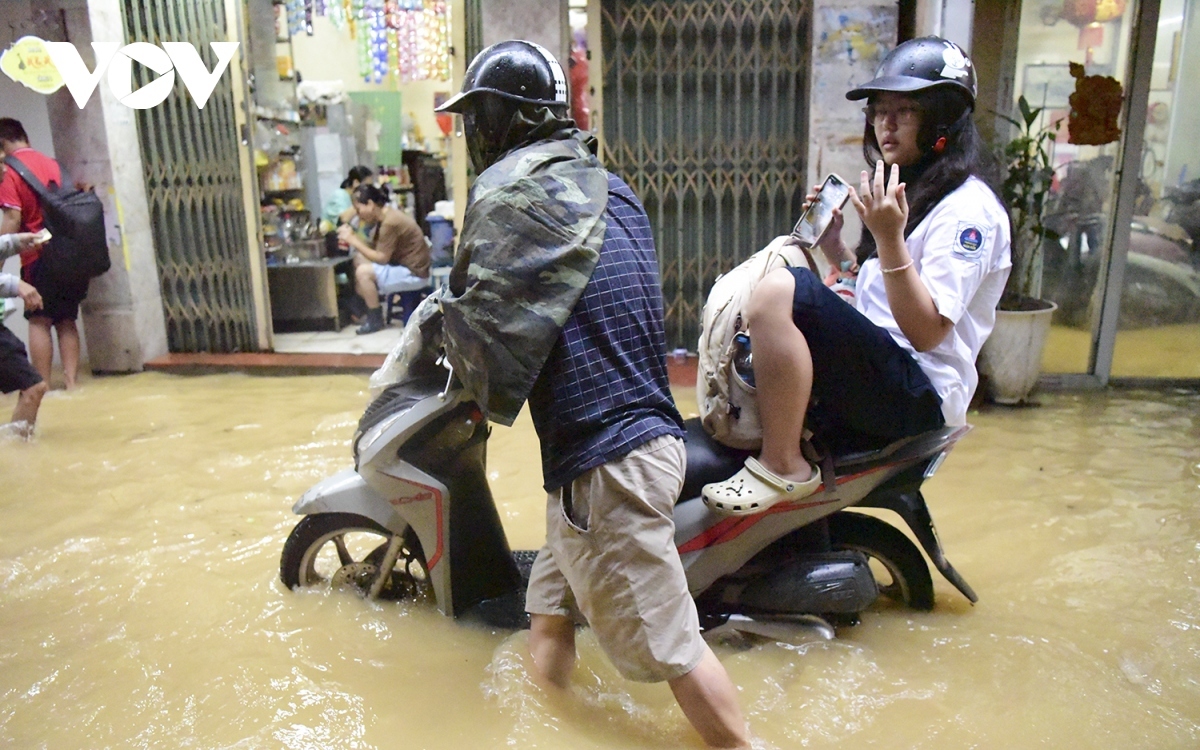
(969, 245)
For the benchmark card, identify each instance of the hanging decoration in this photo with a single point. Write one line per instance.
(1089, 16)
(335, 11)
(408, 37)
(295, 17)
(1095, 107)
(405, 39)
(435, 42)
(354, 14)
(1084, 12)
(376, 20)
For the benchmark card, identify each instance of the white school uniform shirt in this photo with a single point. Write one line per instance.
(961, 251)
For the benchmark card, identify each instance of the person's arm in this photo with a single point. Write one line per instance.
(884, 211)
(8, 285)
(11, 244)
(347, 234)
(11, 223)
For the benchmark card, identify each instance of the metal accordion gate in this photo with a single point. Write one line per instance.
(705, 116)
(194, 187)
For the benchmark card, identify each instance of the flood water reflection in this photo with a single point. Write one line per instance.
(140, 605)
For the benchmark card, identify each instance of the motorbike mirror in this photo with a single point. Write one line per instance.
(444, 361)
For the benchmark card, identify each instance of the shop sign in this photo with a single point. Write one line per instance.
(165, 60)
(28, 62)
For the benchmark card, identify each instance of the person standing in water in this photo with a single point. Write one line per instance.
(555, 298)
(16, 372)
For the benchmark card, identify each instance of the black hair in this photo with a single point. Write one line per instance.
(357, 175)
(12, 131)
(367, 193)
(945, 113)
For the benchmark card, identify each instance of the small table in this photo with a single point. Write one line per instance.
(304, 295)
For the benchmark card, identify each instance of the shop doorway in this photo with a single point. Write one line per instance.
(336, 90)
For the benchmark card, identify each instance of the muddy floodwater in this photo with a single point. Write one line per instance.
(140, 605)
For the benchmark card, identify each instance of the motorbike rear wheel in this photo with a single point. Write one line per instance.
(888, 548)
(345, 550)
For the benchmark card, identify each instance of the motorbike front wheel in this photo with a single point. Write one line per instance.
(344, 550)
(900, 571)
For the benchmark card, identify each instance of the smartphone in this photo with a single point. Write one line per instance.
(811, 228)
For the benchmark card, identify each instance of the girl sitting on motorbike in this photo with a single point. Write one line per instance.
(934, 260)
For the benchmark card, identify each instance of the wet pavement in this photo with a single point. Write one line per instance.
(141, 608)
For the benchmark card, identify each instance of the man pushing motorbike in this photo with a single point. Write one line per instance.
(555, 299)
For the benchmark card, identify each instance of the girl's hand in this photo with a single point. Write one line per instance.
(884, 209)
(831, 242)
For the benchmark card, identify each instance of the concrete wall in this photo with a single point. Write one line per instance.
(848, 41)
(543, 22)
(994, 53)
(124, 311)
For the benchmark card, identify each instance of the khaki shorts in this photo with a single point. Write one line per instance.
(610, 552)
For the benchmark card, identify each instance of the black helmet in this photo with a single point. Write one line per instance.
(515, 70)
(920, 64)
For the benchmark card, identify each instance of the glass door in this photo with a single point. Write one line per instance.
(1158, 326)
(1053, 38)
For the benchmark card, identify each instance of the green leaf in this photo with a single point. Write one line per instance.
(1024, 107)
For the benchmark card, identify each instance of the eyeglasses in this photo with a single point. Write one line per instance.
(905, 114)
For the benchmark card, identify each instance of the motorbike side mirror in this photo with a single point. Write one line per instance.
(444, 361)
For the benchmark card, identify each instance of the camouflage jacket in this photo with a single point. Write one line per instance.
(530, 241)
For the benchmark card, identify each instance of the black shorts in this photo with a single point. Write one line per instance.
(16, 373)
(60, 300)
(867, 390)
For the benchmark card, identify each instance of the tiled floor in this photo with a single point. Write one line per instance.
(345, 341)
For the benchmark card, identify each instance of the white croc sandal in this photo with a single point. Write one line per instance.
(755, 488)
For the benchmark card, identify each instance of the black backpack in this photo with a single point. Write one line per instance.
(78, 249)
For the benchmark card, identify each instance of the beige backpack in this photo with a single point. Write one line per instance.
(728, 407)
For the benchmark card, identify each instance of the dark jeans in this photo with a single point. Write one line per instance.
(867, 390)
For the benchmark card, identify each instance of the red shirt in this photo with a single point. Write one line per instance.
(15, 193)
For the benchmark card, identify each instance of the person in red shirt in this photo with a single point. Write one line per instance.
(23, 213)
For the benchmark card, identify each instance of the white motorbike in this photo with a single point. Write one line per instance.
(415, 518)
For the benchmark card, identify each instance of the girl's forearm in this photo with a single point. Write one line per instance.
(912, 306)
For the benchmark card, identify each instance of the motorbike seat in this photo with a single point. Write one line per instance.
(707, 460)
(397, 398)
(710, 461)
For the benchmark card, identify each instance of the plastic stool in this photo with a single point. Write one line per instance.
(401, 305)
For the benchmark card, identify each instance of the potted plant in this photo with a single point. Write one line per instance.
(1011, 359)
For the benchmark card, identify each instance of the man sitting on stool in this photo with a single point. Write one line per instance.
(395, 260)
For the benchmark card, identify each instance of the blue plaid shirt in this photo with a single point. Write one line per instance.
(604, 391)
